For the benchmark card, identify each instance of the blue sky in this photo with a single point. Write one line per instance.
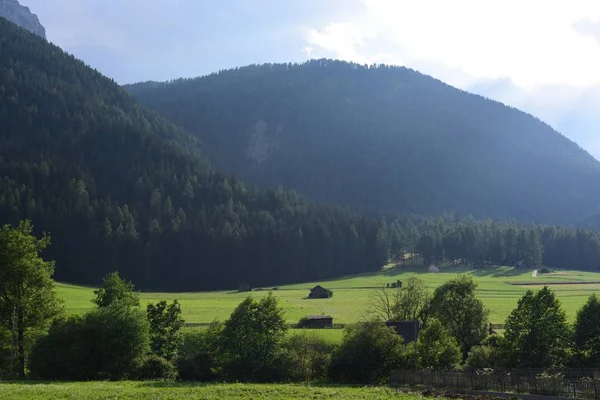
(542, 56)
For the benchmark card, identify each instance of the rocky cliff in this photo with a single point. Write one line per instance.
(22, 16)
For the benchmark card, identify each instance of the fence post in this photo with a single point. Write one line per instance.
(472, 380)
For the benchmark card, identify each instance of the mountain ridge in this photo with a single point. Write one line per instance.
(424, 146)
(21, 15)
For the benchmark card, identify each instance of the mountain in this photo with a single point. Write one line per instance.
(120, 188)
(22, 16)
(382, 139)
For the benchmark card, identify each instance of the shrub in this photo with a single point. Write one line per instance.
(369, 351)
(198, 354)
(107, 342)
(156, 368)
(54, 355)
(438, 350)
(201, 367)
(482, 357)
(307, 357)
(545, 270)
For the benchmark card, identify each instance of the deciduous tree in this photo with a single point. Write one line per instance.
(28, 301)
(457, 307)
(536, 333)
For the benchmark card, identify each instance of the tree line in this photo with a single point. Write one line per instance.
(117, 339)
(477, 243)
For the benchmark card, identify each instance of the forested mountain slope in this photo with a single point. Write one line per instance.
(120, 188)
(381, 139)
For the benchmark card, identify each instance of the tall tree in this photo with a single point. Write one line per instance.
(252, 340)
(456, 305)
(28, 301)
(536, 333)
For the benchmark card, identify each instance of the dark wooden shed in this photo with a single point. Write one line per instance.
(409, 330)
(317, 321)
(319, 292)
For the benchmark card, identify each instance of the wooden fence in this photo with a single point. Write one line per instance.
(572, 383)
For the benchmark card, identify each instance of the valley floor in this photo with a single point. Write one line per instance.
(168, 391)
(500, 288)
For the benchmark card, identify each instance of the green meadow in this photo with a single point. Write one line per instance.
(172, 391)
(350, 302)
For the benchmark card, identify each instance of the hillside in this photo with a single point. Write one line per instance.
(383, 139)
(120, 188)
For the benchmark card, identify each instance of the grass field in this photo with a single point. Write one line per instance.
(351, 294)
(168, 391)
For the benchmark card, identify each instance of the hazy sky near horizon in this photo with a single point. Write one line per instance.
(542, 56)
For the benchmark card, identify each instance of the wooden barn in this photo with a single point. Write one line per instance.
(319, 292)
(409, 330)
(317, 321)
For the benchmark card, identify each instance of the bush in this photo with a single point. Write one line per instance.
(545, 270)
(54, 355)
(438, 350)
(107, 342)
(156, 368)
(198, 354)
(201, 367)
(482, 357)
(369, 351)
(307, 357)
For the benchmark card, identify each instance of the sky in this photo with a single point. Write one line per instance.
(541, 56)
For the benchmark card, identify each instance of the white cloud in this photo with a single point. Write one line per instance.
(346, 40)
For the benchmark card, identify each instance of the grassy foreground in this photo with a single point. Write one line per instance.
(351, 294)
(164, 391)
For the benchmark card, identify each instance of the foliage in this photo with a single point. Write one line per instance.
(28, 301)
(155, 367)
(437, 349)
(123, 189)
(369, 351)
(165, 328)
(407, 303)
(116, 289)
(536, 332)
(199, 353)
(587, 332)
(107, 342)
(483, 356)
(304, 126)
(252, 338)
(457, 307)
(307, 357)
(59, 354)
